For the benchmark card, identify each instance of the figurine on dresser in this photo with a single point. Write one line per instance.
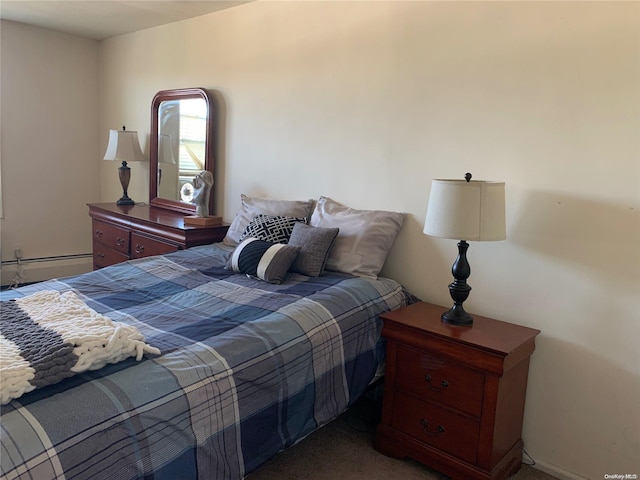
(202, 184)
(199, 195)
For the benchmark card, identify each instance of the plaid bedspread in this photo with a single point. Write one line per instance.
(247, 369)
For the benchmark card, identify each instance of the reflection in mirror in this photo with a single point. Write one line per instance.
(181, 141)
(181, 124)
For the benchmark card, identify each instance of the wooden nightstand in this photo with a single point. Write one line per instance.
(454, 396)
(122, 232)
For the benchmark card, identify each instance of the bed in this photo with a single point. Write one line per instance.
(247, 368)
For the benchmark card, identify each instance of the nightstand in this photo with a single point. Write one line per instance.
(124, 232)
(454, 396)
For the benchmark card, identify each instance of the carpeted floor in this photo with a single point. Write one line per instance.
(343, 450)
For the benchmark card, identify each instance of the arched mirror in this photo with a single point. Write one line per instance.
(181, 146)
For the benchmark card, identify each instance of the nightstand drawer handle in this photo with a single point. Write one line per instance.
(139, 248)
(435, 433)
(119, 241)
(98, 234)
(443, 384)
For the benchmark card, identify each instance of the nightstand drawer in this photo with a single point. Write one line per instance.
(437, 379)
(110, 236)
(447, 431)
(142, 246)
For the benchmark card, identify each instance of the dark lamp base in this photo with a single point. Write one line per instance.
(124, 173)
(459, 289)
(125, 200)
(457, 316)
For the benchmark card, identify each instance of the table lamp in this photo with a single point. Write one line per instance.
(464, 210)
(124, 146)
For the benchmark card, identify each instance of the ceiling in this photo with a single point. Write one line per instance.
(100, 19)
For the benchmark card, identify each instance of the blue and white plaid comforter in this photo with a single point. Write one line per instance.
(247, 368)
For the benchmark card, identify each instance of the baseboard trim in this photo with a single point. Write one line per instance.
(40, 269)
(556, 471)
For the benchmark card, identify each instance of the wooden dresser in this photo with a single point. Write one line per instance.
(122, 232)
(454, 396)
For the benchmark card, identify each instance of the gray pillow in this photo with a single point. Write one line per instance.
(365, 237)
(315, 244)
(253, 206)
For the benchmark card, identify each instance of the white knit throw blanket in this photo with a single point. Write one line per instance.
(96, 341)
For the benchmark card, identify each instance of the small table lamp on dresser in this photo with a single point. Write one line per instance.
(124, 147)
(455, 386)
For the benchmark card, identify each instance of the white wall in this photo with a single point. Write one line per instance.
(366, 102)
(49, 121)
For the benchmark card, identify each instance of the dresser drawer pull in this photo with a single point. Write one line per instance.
(435, 433)
(443, 384)
(100, 255)
(119, 241)
(98, 234)
(139, 248)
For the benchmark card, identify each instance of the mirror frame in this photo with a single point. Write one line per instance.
(164, 96)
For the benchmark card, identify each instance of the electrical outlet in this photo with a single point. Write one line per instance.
(18, 252)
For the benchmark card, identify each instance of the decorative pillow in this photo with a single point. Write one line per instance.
(276, 229)
(264, 260)
(365, 237)
(252, 207)
(314, 243)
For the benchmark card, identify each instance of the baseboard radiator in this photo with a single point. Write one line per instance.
(14, 273)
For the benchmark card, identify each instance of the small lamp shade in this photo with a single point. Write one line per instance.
(462, 210)
(124, 147)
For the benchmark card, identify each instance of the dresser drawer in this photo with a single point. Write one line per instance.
(142, 246)
(110, 236)
(440, 428)
(103, 257)
(439, 380)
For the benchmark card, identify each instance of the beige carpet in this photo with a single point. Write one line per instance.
(343, 450)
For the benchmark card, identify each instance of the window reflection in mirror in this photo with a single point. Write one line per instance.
(182, 126)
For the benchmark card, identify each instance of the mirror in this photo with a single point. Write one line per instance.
(181, 146)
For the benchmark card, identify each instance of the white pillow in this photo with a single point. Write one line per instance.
(252, 207)
(364, 240)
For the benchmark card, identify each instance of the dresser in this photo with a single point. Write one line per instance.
(454, 396)
(124, 232)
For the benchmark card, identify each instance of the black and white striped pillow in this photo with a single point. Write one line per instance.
(264, 260)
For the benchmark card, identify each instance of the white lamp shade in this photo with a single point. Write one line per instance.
(124, 146)
(464, 210)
